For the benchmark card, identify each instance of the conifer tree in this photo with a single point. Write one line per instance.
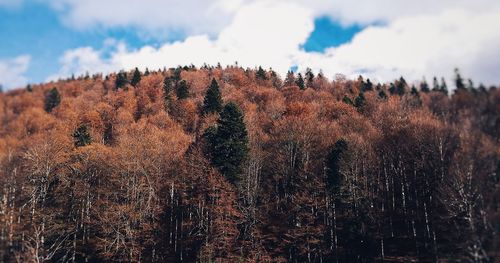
(444, 87)
(121, 79)
(392, 88)
(414, 91)
(182, 91)
(136, 78)
(309, 76)
(435, 85)
(52, 99)
(300, 82)
(382, 95)
(228, 143)
(459, 81)
(168, 86)
(347, 100)
(424, 87)
(29, 88)
(401, 86)
(359, 101)
(82, 136)
(213, 100)
(261, 74)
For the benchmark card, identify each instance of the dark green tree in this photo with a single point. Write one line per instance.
(359, 101)
(309, 76)
(146, 72)
(382, 95)
(261, 74)
(82, 136)
(121, 79)
(29, 88)
(392, 88)
(52, 99)
(347, 100)
(300, 82)
(435, 85)
(213, 99)
(401, 86)
(136, 77)
(228, 143)
(414, 91)
(424, 87)
(182, 91)
(444, 87)
(459, 81)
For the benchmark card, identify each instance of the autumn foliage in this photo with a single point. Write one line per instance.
(134, 167)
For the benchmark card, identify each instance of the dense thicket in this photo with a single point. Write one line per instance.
(149, 167)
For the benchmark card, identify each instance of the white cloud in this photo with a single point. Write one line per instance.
(12, 71)
(191, 16)
(270, 34)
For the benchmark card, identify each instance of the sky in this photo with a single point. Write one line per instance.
(44, 40)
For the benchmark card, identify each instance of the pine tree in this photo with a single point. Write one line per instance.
(347, 100)
(136, 78)
(392, 88)
(228, 143)
(359, 101)
(435, 85)
(309, 77)
(146, 72)
(401, 86)
(424, 87)
(382, 95)
(52, 99)
(1, 88)
(182, 91)
(459, 81)
(168, 85)
(121, 79)
(444, 87)
(261, 74)
(29, 88)
(414, 91)
(82, 136)
(213, 100)
(300, 82)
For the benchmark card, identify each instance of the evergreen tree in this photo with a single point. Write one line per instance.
(459, 81)
(168, 86)
(444, 87)
(146, 72)
(347, 100)
(382, 95)
(228, 143)
(300, 82)
(1, 88)
(401, 86)
(414, 91)
(121, 79)
(261, 74)
(136, 78)
(435, 85)
(367, 86)
(52, 99)
(424, 87)
(392, 89)
(213, 99)
(333, 174)
(29, 88)
(82, 136)
(309, 77)
(359, 101)
(182, 91)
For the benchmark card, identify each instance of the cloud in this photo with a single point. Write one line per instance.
(12, 71)
(191, 16)
(270, 34)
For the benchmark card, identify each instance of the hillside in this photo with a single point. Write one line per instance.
(239, 165)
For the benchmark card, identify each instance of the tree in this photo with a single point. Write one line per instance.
(424, 87)
(444, 87)
(309, 77)
(459, 81)
(290, 78)
(136, 77)
(359, 101)
(52, 99)
(82, 136)
(182, 91)
(228, 143)
(300, 82)
(213, 100)
(261, 74)
(121, 79)
(435, 84)
(347, 100)
(29, 88)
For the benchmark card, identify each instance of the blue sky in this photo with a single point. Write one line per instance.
(48, 39)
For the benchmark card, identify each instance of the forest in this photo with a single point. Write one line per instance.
(226, 164)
